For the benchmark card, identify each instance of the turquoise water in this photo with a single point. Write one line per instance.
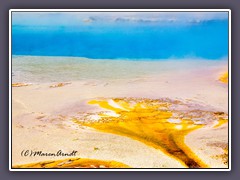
(57, 47)
(124, 40)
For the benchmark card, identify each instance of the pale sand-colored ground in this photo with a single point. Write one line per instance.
(33, 132)
(208, 143)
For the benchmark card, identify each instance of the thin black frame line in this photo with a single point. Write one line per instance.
(113, 11)
(11, 92)
(196, 169)
(229, 52)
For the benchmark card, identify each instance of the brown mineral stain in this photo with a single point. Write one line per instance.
(224, 78)
(59, 85)
(19, 84)
(74, 163)
(148, 121)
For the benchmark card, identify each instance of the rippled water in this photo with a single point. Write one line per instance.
(60, 69)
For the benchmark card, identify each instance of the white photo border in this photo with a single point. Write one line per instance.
(120, 10)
